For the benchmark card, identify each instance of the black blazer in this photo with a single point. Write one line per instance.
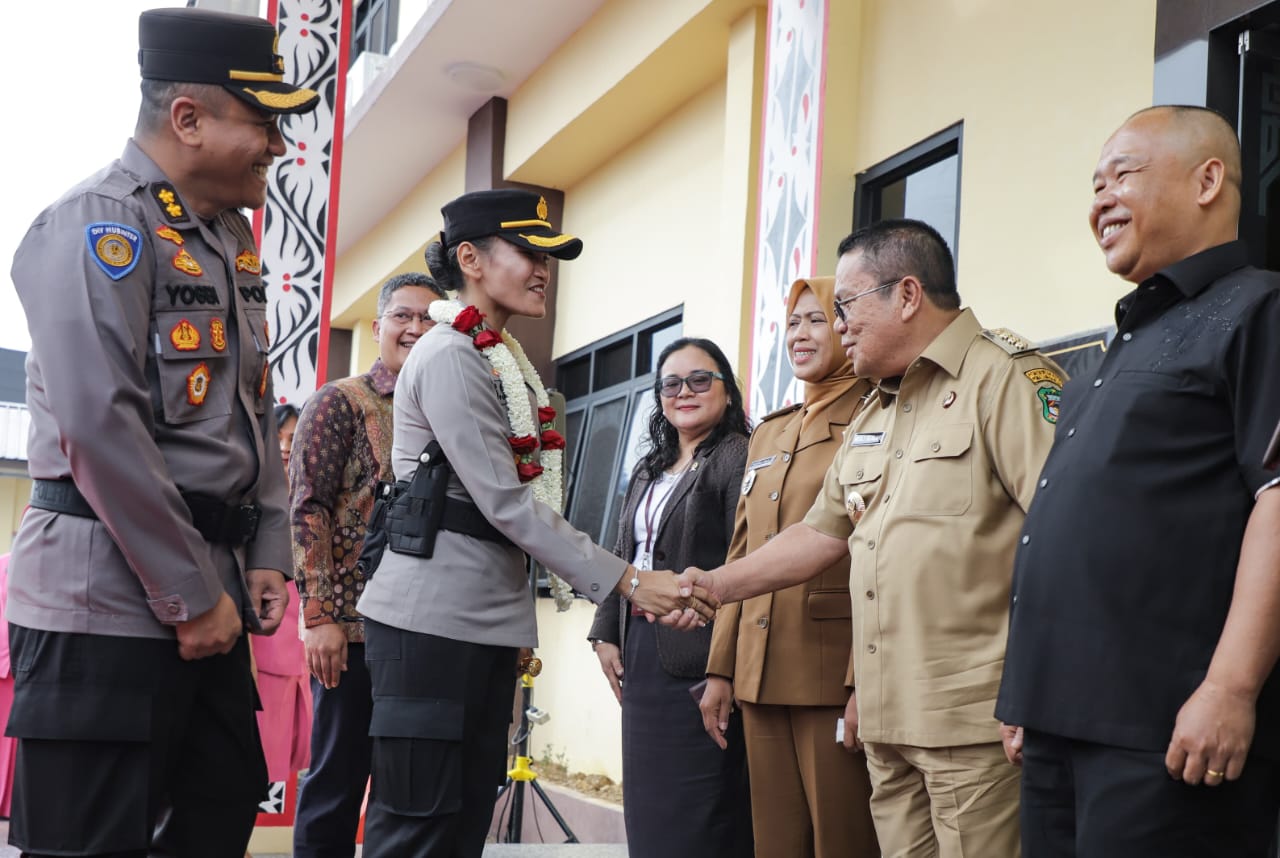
(694, 530)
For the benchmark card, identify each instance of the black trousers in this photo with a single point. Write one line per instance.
(441, 710)
(1081, 800)
(329, 799)
(124, 748)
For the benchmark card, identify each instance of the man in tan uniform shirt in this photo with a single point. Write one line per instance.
(927, 494)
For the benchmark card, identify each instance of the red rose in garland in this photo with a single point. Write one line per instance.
(487, 339)
(468, 320)
(527, 471)
(552, 440)
(546, 414)
(523, 445)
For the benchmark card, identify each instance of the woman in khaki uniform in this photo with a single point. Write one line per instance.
(785, 655)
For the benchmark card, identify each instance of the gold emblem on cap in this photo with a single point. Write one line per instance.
(542, 208)
(218, 335)
(186, 263)
(168, 233)
(198, 384)
(185, 337)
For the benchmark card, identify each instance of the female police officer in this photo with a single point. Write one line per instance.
(442, 632)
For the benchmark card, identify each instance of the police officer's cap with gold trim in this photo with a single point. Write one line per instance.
(518, 216)
(236, 51)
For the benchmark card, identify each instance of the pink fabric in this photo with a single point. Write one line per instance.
(8, 746)
(283, 685)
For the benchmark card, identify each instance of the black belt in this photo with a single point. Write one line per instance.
(466, 518)
(234, 524)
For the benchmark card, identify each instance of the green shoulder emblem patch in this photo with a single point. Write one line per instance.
(1049, 398)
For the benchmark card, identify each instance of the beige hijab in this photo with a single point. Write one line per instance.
(838, 376)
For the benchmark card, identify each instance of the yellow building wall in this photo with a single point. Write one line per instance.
(1037, 103)
(649, 222)
(14, 494)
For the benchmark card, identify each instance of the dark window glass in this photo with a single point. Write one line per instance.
(575, 378)
(613, 364)
(599, 452)
(922, 183)
(653, 342)
(633, 443)
(374, 27)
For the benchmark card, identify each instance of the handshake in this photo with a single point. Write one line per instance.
(686, 601)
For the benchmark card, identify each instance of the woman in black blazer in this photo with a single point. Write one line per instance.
(682, 795)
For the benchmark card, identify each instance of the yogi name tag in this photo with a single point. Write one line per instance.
(866, 439)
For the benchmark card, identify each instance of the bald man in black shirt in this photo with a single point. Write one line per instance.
(1145, 621)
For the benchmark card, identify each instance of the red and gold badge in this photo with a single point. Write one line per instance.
(266, 374)
(185, 337)
(168, 233)
(248, 261)
(198, 384)
(186, 263)
(218, 335)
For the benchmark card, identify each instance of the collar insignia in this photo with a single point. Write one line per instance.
(186, 263)
(248, 261)
(167, 198)
(168, 233)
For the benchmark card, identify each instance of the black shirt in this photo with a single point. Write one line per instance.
(1128, 556)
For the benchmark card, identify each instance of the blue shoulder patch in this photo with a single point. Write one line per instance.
(114, 247)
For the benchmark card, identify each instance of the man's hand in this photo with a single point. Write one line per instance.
(611, 666)
(1211, 736)
(695, 577)
(717, 703)
(326, 646)
(268, 597)
(1011, 738)
(214, 632)
(660, 596)
(851, 741)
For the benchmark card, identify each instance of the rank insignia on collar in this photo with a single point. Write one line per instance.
(167, 198)
(198, 384)
(114, 247)
(262, 383)
(248, 261)
(218, 335)
(186, 263)
(185, 337)
(168, 233)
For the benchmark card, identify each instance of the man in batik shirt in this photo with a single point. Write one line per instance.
(341, 449)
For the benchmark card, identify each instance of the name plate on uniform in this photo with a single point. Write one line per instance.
(866, 439)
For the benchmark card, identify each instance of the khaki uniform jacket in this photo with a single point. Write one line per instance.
(147, 376)
(789, 647)
(939, 474)
(472, 589)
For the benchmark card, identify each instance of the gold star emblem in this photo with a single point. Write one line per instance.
(542, 208)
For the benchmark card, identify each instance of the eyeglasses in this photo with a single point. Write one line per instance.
(839, 304)
(404, 317)
(699, 381)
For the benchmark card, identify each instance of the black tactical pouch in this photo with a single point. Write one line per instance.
(416, 509)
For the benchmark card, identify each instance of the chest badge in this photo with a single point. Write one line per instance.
(218, 335)
(185, 337)
(198, 384)
(866, 439)
(249, 262)
(168, 233)
(114, 247)
(186, 263)
(949, 400)
(747, 482)
(855, 506)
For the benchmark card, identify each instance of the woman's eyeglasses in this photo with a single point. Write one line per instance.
(699, 381)
(839, 305)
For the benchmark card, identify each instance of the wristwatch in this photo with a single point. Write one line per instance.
(595, 642)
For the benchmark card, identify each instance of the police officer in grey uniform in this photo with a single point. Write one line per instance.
(157, 529)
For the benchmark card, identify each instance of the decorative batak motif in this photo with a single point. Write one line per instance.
(527, 436)
(790, 164)
(295, 225)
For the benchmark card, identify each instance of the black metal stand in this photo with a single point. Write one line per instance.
(522, 775)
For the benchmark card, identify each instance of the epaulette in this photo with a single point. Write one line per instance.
(1012, 343)
(788, 409)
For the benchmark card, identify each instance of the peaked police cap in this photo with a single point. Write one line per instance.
(518, 216)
